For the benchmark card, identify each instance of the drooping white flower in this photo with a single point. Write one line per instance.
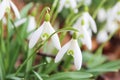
(43, 32)
(20, 22)
(102, 36)
(102, 15)
(68, 4)
(116, 11)
(85, 2)
(31, 24)
(72, 48)
(5, 5)
(83, 24)
(89, 21)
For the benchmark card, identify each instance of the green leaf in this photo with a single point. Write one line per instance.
(99, 70)
(25, 10)
(111, 64)
(69, 75)
(38, 76)
(93, 60)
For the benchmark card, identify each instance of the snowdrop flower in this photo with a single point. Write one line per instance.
(31, 24)
(116, 11)
(102, 15)
(85, 2)
(68, 4)
(20, 22)
(89, 21)
(72, 48)
(102, 36)
(43, 32)
(5, 6)
(113, 17)
(82, 24)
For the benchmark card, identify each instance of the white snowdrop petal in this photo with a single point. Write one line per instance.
(93, 24)
(102, 15)
(17, 14)
(87, 38)
(55, 38)
(62, 51)
(31, 24)
(20, 22)
(87, 2)
(2, 9)
(102, 36)
(77, 56)
(74, 5)
(35, 36)
(56, 42)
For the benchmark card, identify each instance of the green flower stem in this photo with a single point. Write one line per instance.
(70, 22)
(54, 5)
(7, 54)
(2, 68)
(99, 6)
(61, 30)
(68, 18)
(42, 15)
(74, 18)
(54, 17)
(29, 63)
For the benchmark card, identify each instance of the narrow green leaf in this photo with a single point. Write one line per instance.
(99, 70)
(38, 76)
(69, 75)
(25, 10)
(110, 64)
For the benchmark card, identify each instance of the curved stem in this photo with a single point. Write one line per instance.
(99, 6)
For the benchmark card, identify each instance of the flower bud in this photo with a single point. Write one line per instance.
(47, 17)
(74, 36)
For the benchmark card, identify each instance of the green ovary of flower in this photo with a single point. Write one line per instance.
(44, 36)
(82, 22)
(67, 1)
(70, 52)
(118, 12)
(8, 9)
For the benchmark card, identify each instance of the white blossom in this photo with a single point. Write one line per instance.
(102, 15)
(5, 6)
(43, 32)
(102, 36)
(72, 48)
(116, 11)
(112, 23)
(31, 24)
(83, 24)
(85, 2)
(68, 4)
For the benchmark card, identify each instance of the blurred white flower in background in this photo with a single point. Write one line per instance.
(112, 23)
(83, 24)
(85, 2)
(102, 36)
(102, 15)
(116, 11)
(31, 24)
(5, 7)
(20, 22)
(113, 18)
(43, 32)
(68, 4)
(72, 48)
